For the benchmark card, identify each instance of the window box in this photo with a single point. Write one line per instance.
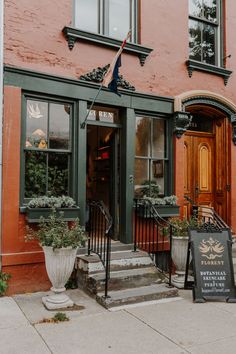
(164, 211)
(33, 214)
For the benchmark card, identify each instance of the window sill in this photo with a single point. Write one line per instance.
(211, 69)
(73, 34)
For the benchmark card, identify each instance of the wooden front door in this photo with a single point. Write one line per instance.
(206, 169)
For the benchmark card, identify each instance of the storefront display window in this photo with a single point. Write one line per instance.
(47, 148)
(151, 154)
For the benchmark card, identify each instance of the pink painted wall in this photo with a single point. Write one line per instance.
(33, 39)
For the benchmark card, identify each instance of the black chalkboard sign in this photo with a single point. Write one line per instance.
(212, 265)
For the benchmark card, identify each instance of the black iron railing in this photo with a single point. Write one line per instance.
(153, 234)
(207, 215)
(99, 227)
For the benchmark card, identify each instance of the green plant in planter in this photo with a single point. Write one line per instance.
(181, 226)
(57, 233)
(149, 189)
(4, 277)
(169, 200)
(52, 202)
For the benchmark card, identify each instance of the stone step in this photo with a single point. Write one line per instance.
(119, 260)
(136, 295)
(123, 279)
(115, 246)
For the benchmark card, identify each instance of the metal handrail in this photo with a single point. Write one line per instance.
(99, 227)
(147, 232)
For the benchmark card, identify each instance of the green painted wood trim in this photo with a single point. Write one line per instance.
(73, 34)
(211, 69)
(82, 156)
(22, 159)
(169, 177)
(33, 214)
(163, 210)
(127, 175)
(36, 82)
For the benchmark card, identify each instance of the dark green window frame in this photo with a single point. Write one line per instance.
(48, 151)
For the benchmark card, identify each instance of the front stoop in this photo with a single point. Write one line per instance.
(133, 278)
(136, 295)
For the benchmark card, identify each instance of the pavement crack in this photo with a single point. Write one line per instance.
(155, 330)
(33, 326)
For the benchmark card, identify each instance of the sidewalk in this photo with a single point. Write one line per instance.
(167, 326)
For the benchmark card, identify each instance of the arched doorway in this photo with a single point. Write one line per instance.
(207, 160)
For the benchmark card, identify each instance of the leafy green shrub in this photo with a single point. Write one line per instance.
(181, 226)
(60, 317)
(57, 233)
(150, 189)
(4, 277)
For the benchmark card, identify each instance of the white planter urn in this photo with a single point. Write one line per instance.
(179, 257)
(59, 265)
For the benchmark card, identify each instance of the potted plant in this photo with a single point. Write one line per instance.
(42, 206)
(60, 241)
(179, 249)
(150, 192)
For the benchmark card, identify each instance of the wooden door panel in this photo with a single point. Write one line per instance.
(187, 175)
(198, 169)
(203, 171)
(206, 168)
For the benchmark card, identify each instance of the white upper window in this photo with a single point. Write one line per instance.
(205, 37)
(112, 18)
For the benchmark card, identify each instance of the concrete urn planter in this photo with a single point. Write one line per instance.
(179, 257)
(59, 265)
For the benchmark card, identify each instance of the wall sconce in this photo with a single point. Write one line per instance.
(182, 121)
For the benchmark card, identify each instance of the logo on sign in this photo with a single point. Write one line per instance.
(211, 249)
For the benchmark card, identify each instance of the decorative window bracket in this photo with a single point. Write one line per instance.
(182, 121)
(196, 65)
(72, 35)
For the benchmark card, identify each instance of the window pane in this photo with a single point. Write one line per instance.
(201, 124)
(36, 124)
(142, 136)
(210, 10)
(208, 44)
(86, 15)
(158, 138)
(59, 126)
(141, 175)
(195, 7)
(195, 41)
(35, 174)
(119, 18)
(158, 174)
(58, 174)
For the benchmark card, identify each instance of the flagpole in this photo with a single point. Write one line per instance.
(107, 73)
(90, 108)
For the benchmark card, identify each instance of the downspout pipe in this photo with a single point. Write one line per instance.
(1, 116)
